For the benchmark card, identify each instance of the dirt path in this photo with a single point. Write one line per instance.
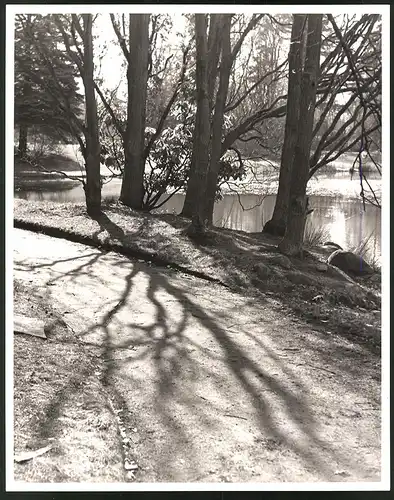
(212, 386)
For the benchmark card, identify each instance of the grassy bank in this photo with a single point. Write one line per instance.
(59, 172)
(27, 177)
(246, 262)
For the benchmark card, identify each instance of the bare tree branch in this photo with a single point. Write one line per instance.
(254, 86)
(110, 111)
(171, 101)
(121, 39)
(251, 25)
(164, 67)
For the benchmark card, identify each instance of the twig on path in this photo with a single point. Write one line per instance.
(317, 368)
(234, 416)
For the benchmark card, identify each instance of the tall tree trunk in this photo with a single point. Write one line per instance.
(213, 47)
(193, 206)
(93, 182)
(22, 147)
(277, 224)
(218, 118)
(213, 55)
(132, 191)
(26, 89)
(293, 239)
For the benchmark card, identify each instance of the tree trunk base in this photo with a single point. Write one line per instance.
(94, 210)
(135, 204)
(22, 146)
(290, 249)
(275, 227)
(197, 230)
(186, 212)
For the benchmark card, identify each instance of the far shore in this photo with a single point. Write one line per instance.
(332, 181)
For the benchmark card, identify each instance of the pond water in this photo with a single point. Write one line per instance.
(343, 218)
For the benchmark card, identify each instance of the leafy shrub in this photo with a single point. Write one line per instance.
(168, 163)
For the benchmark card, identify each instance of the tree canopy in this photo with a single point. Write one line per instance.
(198, 103)
(41, 88)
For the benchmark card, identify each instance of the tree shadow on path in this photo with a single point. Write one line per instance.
(167, 345)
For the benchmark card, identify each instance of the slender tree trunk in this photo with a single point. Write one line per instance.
(23, 128)
(93, 181)
(193, 206)
(22, 147)
(277, 224)
(213, 55)
(218, 118)
(304, 40)
(293, 239)
(212, 51)
(132, 191)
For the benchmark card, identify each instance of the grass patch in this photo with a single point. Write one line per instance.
(315, 235)
(363, 249)
(54, 404)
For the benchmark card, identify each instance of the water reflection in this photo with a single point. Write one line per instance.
(346, 222)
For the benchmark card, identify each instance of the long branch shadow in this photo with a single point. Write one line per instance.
(108, 345)
(83, 269)
(237, 359)
(168, 367)
(241, 366)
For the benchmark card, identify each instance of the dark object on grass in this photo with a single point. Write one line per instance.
(350, 263)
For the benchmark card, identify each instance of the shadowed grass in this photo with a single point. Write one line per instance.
(363, 249)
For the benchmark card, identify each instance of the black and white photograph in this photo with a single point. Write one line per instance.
(199, 221)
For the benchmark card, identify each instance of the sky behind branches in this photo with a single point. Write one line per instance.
(112, 57)
(110, 61)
